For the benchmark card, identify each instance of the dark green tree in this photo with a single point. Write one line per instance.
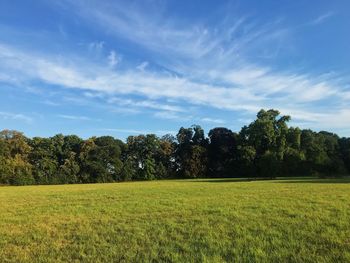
(222, 152)
(191, 152)
(143, 151)
(100, 159)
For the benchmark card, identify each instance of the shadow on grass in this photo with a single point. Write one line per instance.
(281, 180)
(233, 180)
(316, 181)
(224, 180)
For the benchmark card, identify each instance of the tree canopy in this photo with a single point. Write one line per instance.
(267, 148)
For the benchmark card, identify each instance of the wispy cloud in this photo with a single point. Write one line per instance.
(197, 65)
(142, 66)
(15, 116)
(322, 18)
(74, 117)
(211, 120)
(50, 103)
(144, 104)
(247, 88)
(170, 115)
(131, 131)
(113, 59)
(96, 46)
(171, 38)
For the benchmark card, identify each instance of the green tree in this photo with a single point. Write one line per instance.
(69, 170)
(294, 138)
(245, 161)
(165, 157)
(100, 159)
(344, 149)
(293, 162)
(143, 150)
(197, 164)
(15, 168)
(128, 171)
(268, 135)
(44, 160)
(222, 152)
(191, 152)
(269, 165)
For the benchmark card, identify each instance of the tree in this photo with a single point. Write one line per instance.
(198, 137)
(294, 138)
(245, 161)
(143, 150)
(128, 171)
(197, 164)
(44, 160)
(269, 165)
(268, 136)
(344, 149)
(191, 152)
(267, 147)
(19, 171)
(334, 165)
(293, 158)
(293, 162)
(149, 169)
(266, 133)
(323, 154)
(222, 152)
(15, 168)
(69, 170)
(100, 159)
(165, 158)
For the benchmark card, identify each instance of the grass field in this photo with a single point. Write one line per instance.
(299, 220)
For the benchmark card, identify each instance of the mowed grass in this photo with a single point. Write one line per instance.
(299, 220)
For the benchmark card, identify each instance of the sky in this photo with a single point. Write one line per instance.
(121, 68)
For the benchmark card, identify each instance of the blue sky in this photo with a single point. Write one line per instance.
(126, 67)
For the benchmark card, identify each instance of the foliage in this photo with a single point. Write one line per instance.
(15, 168)
(265, 148)
(222, 152)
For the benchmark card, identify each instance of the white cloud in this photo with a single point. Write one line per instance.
(15, 116)
(322, 18)
(211, 120)
(248, 89)
(131, 131)
(74, 117)
(170, 115)
(96, 46)
(205, 67)
(143, 66)
(113, 59)
(153, 30)
(144, 104)
(51, 103)
(324, 120)
(124, 110)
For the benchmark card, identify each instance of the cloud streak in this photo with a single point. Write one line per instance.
(194, 65)
(15, 116)
(248, 88)
(322, 18)
(74, 117)
(137, 132)
(113, 59)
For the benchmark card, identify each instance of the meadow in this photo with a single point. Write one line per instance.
(203, 220)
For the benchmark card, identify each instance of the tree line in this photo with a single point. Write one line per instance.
(265, 148)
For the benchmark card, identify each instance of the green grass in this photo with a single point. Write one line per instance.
(299, 220)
